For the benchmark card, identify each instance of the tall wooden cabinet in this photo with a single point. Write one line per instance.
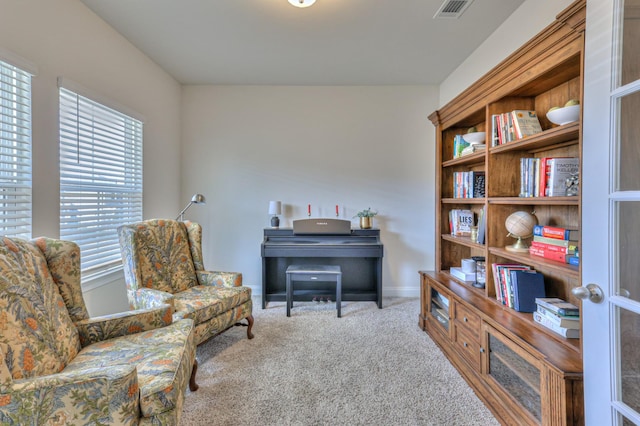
(523, 372)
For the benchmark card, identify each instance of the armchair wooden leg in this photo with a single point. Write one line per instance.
(249, 325)
(193, 386)
(249, 333)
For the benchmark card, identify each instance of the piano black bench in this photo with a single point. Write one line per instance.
(314, 273)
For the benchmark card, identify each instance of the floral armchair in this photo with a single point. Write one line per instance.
(60, 367)
(163, 264)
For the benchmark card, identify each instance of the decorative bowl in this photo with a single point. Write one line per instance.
(474, 137)
(564, 115)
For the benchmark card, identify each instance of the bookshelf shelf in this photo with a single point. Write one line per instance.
(470, 159)
(559, 201)
(545, 72)
(463, 201)
(566, 134)
(463, 241)
(536, 262)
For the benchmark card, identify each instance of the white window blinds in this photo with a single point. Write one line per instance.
(15, 151)
(100, 178)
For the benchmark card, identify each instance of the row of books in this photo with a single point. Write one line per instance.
(517, 286)
(514, 125)
(556, 243)
(459, 144)
(546, 176)
(468, 184)
(460, 222)
(559, 316)
(521, 288)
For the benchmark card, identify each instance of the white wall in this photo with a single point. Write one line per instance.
(357, 147)
(523, 24)
(244, 146)
(64, 38)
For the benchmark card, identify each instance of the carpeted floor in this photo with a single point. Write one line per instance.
(370, 367)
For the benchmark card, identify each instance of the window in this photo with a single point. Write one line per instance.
(100, 178)
(15, 151)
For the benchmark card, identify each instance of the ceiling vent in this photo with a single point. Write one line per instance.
(452, 9)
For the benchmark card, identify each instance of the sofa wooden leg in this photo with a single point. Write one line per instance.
(193, 386)
(249, 333)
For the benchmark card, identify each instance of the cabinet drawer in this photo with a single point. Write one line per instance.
(468, 320)
(468, 346)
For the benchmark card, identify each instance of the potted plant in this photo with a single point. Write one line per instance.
(366, 218)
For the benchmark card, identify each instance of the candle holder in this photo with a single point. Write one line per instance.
(481, 271)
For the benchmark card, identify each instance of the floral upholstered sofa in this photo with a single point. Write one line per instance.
(163, 264)
(60, 367)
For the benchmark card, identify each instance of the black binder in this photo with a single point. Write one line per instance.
(527, 285)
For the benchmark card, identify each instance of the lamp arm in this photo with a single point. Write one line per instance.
(181, 215)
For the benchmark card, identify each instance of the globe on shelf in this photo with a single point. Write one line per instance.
(520, 225)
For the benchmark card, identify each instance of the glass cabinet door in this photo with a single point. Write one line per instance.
(439, 308)
(513, 371)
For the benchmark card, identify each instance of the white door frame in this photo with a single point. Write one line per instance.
(599, 227)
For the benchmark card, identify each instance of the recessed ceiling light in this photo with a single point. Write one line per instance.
(302, 3)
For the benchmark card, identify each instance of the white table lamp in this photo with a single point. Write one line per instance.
(275, 208)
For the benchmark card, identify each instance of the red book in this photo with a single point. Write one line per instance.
(542, 183)
(551, 247)
(551, 255)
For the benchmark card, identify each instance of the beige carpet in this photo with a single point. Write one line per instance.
(370, 367)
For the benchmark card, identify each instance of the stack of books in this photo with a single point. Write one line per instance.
(474, 147)
(459, 273)
(558, 316)
(547, 176)
(555, 243)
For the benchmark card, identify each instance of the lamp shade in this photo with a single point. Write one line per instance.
(198, 199)
(275, 207)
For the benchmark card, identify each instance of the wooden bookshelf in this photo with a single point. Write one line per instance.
(545, 72)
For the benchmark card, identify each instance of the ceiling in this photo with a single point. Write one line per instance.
(333, 42)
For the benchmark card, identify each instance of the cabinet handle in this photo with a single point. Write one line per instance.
(465, 319)
(482, 350)
(465, 344)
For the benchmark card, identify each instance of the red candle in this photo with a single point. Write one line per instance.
(337, 211)
(309, 209)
